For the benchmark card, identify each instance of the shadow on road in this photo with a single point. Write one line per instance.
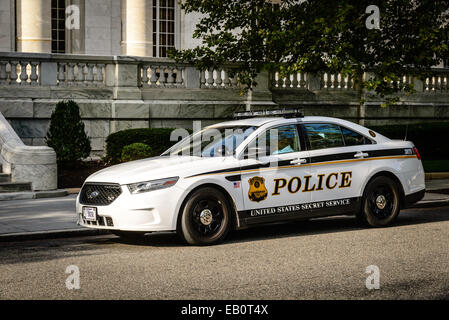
(39, 250)
(301, 228)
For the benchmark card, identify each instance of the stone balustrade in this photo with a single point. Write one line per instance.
(292, 81)
(23, 72)
(217, 79)
(324, 81)
(80, 74)
(91, 71)
(438, 82)
(161, 74)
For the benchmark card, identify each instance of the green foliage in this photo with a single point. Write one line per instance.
(321, 36)
(66, 134)
(429, 138)
(157, 138)
(135, 151)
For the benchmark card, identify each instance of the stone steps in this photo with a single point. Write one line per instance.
(22, 190)
(15, 187)
(7, 186)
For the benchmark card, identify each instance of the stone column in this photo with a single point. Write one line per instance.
(33, 25)
(137, 20)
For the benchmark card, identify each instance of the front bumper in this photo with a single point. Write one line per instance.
(150, 211)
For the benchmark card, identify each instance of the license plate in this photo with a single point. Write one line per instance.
(90, 213)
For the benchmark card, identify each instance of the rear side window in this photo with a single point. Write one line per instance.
(353, 138)
(323, 135)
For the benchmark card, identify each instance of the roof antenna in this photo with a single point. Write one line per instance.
(406, 126)
(406, 131)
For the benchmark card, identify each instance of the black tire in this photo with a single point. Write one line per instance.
(381, 202)
(129, 235)
(206, 217)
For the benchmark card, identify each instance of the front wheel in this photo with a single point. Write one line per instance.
(380, 205)
(205, 218)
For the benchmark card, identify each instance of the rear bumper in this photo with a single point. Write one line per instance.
(413, 198)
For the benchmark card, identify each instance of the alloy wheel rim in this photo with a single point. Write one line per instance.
(382, 202)
(207, 217)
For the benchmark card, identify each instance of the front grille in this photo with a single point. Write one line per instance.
(109, 221)
(101, 221)
(99, 194)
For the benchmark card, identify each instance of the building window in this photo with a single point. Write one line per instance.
(58, 26)
(163, 27)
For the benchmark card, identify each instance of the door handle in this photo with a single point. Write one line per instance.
(298, 161)
(361, 155)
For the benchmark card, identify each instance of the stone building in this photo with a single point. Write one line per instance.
(104, 27)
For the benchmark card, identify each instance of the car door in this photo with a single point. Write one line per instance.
(337, 157)
(271, 180)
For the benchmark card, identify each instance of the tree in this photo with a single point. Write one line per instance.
(66, 134)
(322, 36)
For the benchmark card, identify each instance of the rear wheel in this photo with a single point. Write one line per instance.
(205, 218)
(381, 202)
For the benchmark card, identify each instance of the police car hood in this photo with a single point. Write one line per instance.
(160, 167)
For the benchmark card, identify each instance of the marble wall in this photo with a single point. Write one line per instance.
(6, 25)
(102, 34)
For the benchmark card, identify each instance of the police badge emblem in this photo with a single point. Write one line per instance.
(257, 191)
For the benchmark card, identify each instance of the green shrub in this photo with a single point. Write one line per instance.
(66, 134)
(135, 151)
(431, 139)
(157, 138)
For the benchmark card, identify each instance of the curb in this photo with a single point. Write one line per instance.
(73, 190)
(437, 175)
(53, 234)
(33, 195)
(430, 204)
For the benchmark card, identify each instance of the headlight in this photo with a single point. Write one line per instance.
(146, 186)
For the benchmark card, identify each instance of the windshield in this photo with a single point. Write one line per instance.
(212, 142)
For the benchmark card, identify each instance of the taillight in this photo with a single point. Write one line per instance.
(415, 150)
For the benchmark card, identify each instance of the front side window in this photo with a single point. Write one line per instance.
(275, 141)
(212, 142)
(323, 135)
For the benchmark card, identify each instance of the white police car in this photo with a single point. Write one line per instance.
(241, 173)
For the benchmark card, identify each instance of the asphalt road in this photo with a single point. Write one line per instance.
(319, 259)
